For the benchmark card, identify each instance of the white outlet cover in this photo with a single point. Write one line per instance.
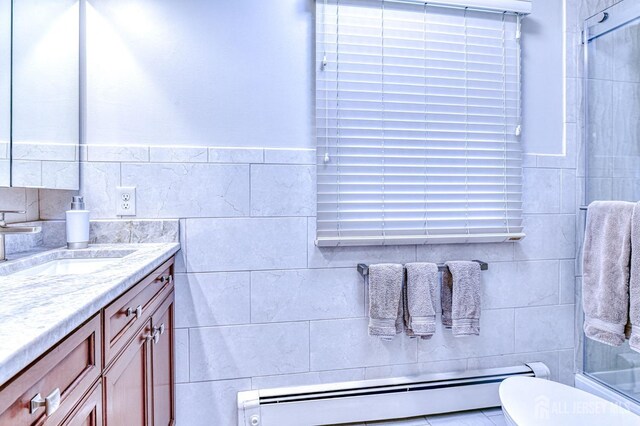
(126, 201)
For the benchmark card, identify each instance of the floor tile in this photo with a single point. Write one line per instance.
(498, 420)
(468, 418)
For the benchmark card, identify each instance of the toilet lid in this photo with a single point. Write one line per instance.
(531, 401)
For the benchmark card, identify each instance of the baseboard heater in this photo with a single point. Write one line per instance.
(370, 400)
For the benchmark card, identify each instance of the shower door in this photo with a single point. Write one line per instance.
(612, 148)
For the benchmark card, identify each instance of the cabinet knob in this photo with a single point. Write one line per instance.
(137, 311)
(157, 332)
(166, 279)
(50, 403)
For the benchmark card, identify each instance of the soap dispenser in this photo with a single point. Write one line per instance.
(77, 224)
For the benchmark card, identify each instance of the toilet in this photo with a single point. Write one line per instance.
(531, 401)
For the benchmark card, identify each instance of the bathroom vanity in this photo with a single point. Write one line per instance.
(89, 348)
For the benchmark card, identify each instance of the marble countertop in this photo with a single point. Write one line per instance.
(37, 312)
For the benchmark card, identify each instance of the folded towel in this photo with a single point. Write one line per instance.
(634, 281)
(461, 297)
(401, 306)
(420, 314)
(385, 298)
(605, 271)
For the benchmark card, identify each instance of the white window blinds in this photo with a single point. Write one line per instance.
(418, 117)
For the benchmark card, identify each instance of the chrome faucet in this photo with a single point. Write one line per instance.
(4, 229)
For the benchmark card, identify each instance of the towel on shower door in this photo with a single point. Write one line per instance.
(420, 291)
(605, 271)
(634, 281)
(386, 281)
(461, 298)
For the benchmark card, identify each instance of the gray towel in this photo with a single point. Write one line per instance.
(420, 311)
(461, 297)
(605, 271)
(634, 281)
(385, 299)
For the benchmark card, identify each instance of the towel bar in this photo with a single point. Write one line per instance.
(363, 269)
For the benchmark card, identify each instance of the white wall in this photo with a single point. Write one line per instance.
(200, 72)
(543, 73)
(5, 90)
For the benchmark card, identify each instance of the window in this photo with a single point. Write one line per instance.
(418, 122)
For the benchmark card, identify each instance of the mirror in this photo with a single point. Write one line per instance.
(45, 94)
(5, 92)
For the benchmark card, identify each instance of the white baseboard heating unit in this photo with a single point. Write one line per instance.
(370, 400)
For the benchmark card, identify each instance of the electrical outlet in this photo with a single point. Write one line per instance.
(126, 201)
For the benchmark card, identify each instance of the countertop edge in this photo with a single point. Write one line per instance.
(24, 356)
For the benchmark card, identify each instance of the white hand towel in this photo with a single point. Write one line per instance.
(634, 281)
(421, 287)
(461, 298)
(385, 300)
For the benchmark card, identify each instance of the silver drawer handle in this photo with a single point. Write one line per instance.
(137, 311)
(157, 332)
(166, 279)
(51, 402)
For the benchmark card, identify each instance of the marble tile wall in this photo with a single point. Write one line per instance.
(259, 305)
(20, 199)
(49, 164)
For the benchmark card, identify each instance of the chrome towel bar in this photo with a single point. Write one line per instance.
(363, 269)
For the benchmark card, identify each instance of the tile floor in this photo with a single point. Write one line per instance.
(488, 417)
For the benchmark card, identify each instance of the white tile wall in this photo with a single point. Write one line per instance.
(182, 355)
(344, 343)
(303, 379)
(99, 181)
(20, 199)
(248, 350)
(172, 154)
(206, 300)
(496, 338)
(225, 244)
(209, 403)
(188, 189)
(283, 190)
(516, 284)
(543, 328)
(259, 305)
(306, 294)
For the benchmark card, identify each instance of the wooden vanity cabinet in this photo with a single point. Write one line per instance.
(127, 381)
(78, 385)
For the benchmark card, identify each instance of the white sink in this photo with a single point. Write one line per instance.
(66, 267)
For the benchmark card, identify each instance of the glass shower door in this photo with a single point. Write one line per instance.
(612, 138)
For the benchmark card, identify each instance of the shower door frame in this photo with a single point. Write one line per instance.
(603, 22)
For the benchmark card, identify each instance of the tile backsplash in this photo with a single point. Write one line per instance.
(20, 199)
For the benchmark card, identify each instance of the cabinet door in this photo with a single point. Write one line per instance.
(89, 411)
(127, 383)
(68, 371)
(162, 355)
